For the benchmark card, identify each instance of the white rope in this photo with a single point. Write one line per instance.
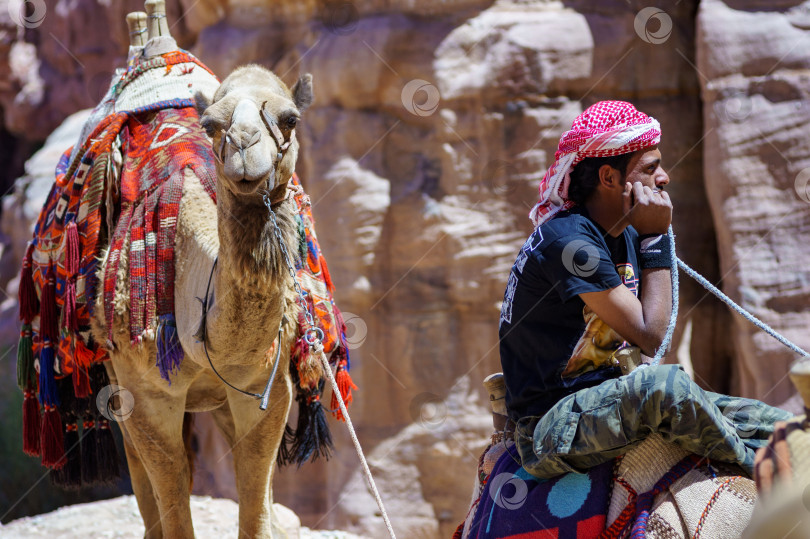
(673, 317)
(366, 470)
(676, 263)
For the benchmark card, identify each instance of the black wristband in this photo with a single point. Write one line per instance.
(655, 251)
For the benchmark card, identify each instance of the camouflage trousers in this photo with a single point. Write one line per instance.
(596, 424)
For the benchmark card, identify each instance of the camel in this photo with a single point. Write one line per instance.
(250, 291)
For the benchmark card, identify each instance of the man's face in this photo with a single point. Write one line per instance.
(645, 167)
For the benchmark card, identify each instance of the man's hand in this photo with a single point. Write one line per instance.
(649, 211)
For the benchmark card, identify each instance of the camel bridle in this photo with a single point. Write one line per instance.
(282, 142)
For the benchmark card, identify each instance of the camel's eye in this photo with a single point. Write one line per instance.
(291, 122)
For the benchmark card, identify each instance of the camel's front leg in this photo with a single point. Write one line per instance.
(155, 434)
(257, 437)
(141, 486)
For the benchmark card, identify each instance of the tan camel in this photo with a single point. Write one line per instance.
(250, 291)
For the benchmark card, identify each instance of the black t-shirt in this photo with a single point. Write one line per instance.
(548, 350)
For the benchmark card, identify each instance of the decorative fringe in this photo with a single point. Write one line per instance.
(26, 373)
(90, 464)
(169, 350)
(29, 303)
(52, 438)
(108, 469)
(82, 360)
(32, 426)
(312, 438)
(99, 453)
(345, 385)
(287, 440)
(69, 476)
(48, 322)
(48, 393)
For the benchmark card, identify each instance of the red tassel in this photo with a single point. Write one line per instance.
(71, 319)
(82, 359)
(71, 249)
(29, 303)
(52, 439)
(326, 277)
(345, 385)
(48, 323)
(31, 423)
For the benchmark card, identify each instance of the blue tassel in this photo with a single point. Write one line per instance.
(169, 351)
(47, 383)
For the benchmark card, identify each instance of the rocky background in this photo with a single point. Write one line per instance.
(433, 122)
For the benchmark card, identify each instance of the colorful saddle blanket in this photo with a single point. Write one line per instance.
(515, 504)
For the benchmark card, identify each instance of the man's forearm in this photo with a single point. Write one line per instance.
(656, 307)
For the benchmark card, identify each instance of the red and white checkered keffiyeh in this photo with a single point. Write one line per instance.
(604, 129)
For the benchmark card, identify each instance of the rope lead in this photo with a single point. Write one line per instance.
(678, 263)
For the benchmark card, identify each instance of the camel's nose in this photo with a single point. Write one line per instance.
(242, 137)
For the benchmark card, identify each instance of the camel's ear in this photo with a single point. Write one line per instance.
(210, 114)
(302, 92)
(201, 102)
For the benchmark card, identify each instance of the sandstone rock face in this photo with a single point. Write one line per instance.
(432, 125)
(757, 177)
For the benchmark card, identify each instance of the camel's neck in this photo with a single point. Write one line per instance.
(252, 277)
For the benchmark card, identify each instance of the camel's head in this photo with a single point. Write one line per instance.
(252, 120)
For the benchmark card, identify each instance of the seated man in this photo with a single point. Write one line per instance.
(593, 277)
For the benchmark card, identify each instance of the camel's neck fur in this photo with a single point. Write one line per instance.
(252, 279)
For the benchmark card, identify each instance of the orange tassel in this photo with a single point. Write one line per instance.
(345, 385)
(326, 277)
